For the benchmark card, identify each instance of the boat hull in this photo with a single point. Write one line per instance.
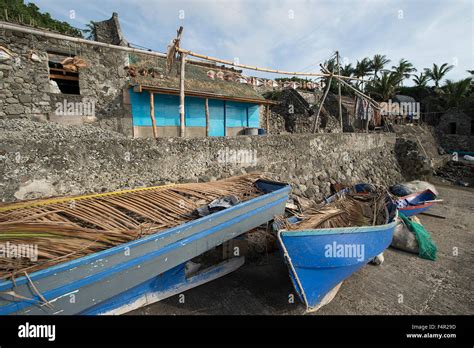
(316, 262)
(414, 202)
(83, 284)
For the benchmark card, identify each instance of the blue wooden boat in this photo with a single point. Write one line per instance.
(143, 271)
(416, 203)
(320, 259)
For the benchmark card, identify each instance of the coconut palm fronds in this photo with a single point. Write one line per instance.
(347, 211)
(64, 228)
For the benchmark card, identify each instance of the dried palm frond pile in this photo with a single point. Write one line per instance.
(73, 64)
(351, 209)
(66, 228)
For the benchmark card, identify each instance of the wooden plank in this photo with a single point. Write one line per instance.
(152, 114)
(433, 215)
(64, 71)
(207, 116)
(267, 112)
(63, 77)
(339, 90)
(193, 93)
(181, 96)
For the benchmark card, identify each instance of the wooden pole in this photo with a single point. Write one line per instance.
(181, 50)
(374, 103)
(339, 90)
(315, 125)
(181, 96)
(207, 116)
(267, 112)
(152, 115)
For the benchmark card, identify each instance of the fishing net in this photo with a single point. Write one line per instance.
(427, 248)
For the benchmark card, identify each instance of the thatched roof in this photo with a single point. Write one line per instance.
(151, 72)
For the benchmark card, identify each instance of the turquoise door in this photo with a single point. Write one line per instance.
(216, 118)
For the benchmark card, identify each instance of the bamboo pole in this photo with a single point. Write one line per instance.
(207, 116)
(339, 89)
(181, 96)
(227, 62)
(315, 125)
(374, 103)
(152, 114)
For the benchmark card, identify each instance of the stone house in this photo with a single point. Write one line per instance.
(455, 130)
(52, 77)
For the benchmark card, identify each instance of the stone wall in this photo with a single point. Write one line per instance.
(463, 140)
(25, 90)
(109, 31)
(296, 113)
(453, 142)
(45, 159)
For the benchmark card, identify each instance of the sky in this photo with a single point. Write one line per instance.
(294, 35)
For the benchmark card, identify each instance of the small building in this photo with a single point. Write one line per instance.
(455, 130)
(233, 106)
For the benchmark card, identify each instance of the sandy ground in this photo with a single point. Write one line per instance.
(403, 284)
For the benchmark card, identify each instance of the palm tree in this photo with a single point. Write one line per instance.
(386, 86)
(438, 72)
(347, 70)
(363, 68)
(421, 80)
(457, 91)
(378, 63)
(404, 68)
(90, 31)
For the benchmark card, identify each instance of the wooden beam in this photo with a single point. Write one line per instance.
(339, 89)
(152, 114)
(206, 104)
(193, 93)
(63, 77)
(267, 112)
(181, 50)
(373, 102)
(181, 96)
(316, 121)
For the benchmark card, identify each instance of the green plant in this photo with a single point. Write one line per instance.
(437, 73)
(15, 11)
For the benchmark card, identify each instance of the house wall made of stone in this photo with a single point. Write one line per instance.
(25, 90)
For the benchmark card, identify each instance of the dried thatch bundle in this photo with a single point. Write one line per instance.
(73, 64)
(346, 211)
(66, 228)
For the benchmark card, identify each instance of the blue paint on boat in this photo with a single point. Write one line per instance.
(314, 261)
(414, 204)
(170, 283)
(125, 271)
